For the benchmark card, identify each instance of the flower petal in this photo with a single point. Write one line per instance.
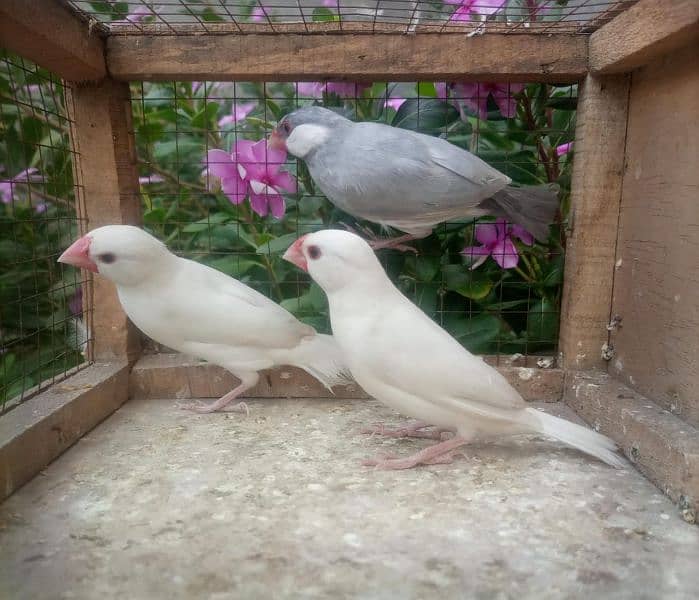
(220, 163)
(505, 254)
(235, 188)
(486, 233)
(259, 203)
(276, 205)
(284, 180)
(520, 232)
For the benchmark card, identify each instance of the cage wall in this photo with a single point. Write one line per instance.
(508, 304)
(43, 315)
(656, 291)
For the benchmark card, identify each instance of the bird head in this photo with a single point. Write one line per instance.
(123, 254)
(303, 131)
(335, 259)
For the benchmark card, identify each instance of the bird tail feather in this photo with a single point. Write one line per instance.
(533, 207)
(577, 436)
(321, 356)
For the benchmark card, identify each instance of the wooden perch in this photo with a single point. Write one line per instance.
(356, 56)
(47, 33)
(645, 31)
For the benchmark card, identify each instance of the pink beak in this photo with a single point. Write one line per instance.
(78, 255)
(276, 141)
(294, 254)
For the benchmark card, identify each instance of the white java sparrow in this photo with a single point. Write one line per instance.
(405, 360)
(404, 179)
(197, 310)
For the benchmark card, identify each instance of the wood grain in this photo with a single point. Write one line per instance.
(106, 175)
(645, 31)
(181, 377)
(294, 57)
(600, 136)
(664, 448)
(46, 32)
(656, 290)
(45, 426)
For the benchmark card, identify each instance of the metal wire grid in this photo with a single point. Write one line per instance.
(172, 17)
(491, 310)
(42, 332)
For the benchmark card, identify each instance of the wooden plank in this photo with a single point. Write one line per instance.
(106, 174)
(294, 57)
(596, 191)
(646, 31)
(181, 377)
(47, 33)
(656, 288)
(45, 426)
(664, 448)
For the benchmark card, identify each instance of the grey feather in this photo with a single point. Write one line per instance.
(409, 180)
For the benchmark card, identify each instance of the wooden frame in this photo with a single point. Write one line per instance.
(46, 32)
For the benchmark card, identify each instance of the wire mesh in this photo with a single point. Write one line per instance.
(322, 16)
(243, 228)
(42, 332)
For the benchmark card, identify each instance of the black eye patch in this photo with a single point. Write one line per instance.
(314, 252)
(107, 258)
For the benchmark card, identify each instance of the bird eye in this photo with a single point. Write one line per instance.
(107, 258)
(314, 252)
(286, 127)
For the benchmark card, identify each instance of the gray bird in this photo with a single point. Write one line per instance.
(404, 179)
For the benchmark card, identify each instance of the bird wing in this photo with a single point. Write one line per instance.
(403, 348)
(206, 306)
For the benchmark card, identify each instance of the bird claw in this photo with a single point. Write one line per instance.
(378, 243)
(202, 408)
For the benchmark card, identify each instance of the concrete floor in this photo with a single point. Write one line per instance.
(160, 503)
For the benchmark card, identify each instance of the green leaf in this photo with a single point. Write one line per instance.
(425, 115)
(563, 103)
(324, 15)
(426, 89)
(277, 245)
(542, 322)
(478, 333)
(206, 224)
(206, 116)
(471, 284)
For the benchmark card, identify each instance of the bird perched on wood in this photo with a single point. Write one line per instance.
(405, 360)
(404, 179)
(197, 310)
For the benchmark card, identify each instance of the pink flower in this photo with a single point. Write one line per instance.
(394, 103)
(468, 7)
(240, 111)
(258, 14)
(330, 3)
(564, 149)
(137, 15)
(343, 89)
(7, 186)
(474, 96)
(253, 170)
(496, 240)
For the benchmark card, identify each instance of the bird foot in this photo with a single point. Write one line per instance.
(203, 408)
(379, 243)
(442, 453)
(415, 430)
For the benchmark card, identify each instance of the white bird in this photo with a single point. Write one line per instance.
(197, 310)
(405, 360)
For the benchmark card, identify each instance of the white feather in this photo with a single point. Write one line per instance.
(404, 359)
(305, 138)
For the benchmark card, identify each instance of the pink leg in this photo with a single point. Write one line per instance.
(432, 455)
(222, 402)
(396, 243)
(414, 430)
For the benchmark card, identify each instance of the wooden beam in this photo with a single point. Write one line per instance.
(45, 426)
(106, 176)
(357, 56)
(647, 30)
(47, 33)
(600, 137)
(663, 447)
(182, 377)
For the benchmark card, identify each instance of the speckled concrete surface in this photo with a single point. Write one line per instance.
(160, 503)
